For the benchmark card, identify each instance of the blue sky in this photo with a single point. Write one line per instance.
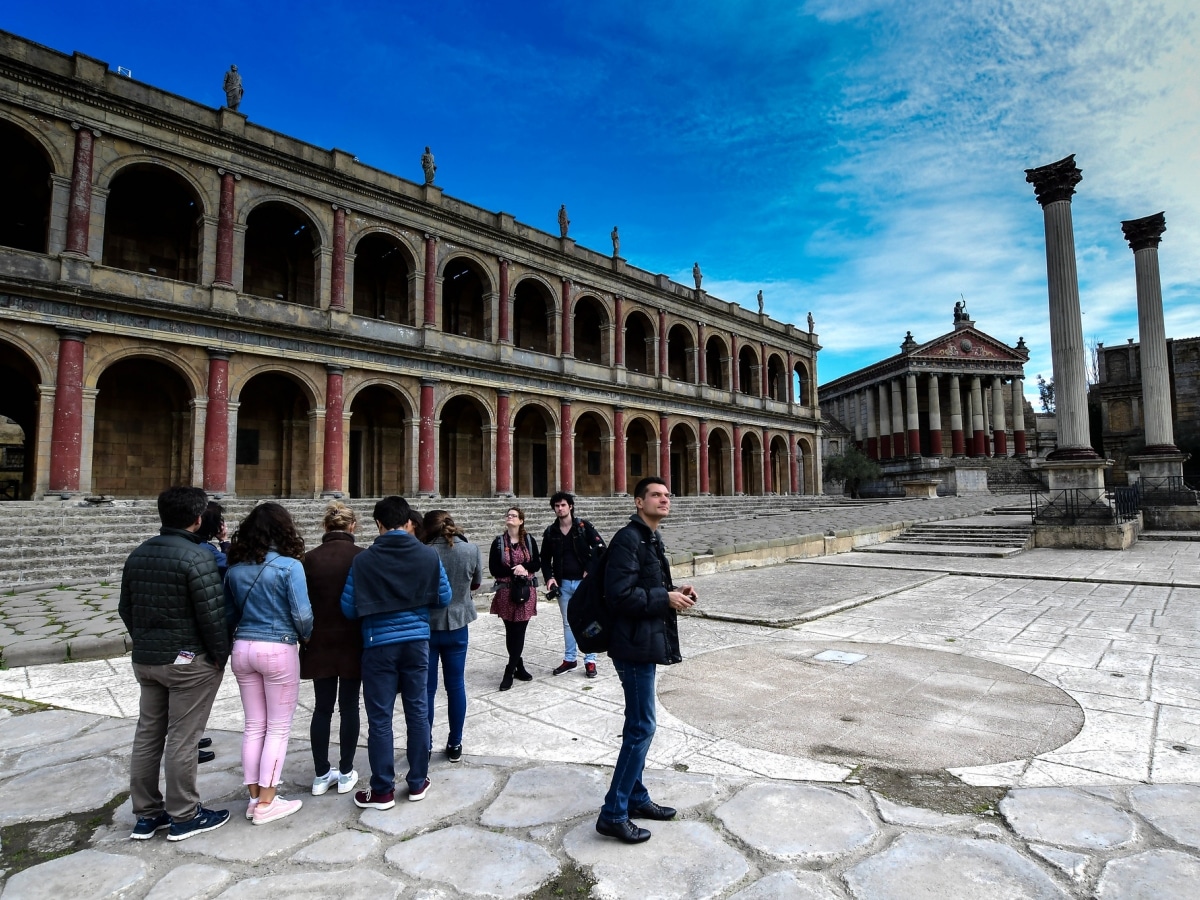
(862, 159)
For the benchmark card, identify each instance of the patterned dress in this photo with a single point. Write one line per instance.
(513, 555)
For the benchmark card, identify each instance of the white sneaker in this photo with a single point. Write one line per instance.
(251, 807)
(347, 782)
(322, 783)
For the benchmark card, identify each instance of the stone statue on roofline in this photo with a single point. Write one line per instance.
(812, 324)
(616, 239)
(960, 311)
(760, 303)
(428, 166)
(564, 224)
(233, 88)
(697, 274)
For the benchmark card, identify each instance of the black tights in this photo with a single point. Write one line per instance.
(514, 639)
(346, 694)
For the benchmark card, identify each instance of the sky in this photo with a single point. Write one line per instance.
(860, 159)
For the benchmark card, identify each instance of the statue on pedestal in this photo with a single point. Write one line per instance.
(960, 312)
(697, 274)
(564, 224)
(616, 239)
(812, 324)
(428, 166)
(233, 88)
(760, 303)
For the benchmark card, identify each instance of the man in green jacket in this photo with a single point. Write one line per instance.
(173, 605)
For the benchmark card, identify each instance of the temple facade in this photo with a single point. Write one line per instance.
(187, 297)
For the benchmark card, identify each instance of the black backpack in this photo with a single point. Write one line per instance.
(588, 614)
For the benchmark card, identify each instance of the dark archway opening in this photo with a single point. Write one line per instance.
(639, 344)
(18, 424)
(679, 354)
(463, 453)
(589, 330)
(152, 224)
(378, 441)
(273, 439)
(279, 263)
(747, 364)
(532, 304)
(463, 308)
(531, 439)
(24, 191)
(381, 280)
(684, 480)
(640, 453)
(592, 468)
(720, 481)
(714, 364)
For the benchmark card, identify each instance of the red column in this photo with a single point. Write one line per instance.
(701, 362)
(619, 481)
(334, 411)
(662, 344)
(224, 274)
(664, 450)
(568, 322)
(734, 374)
(737, 460)
(505, 306)
(566, 446)
(1019, 443)
(425, 457)
(793, 463)
(704, 455)
(430, 282)
(67, 434)
(337, 284)
(766, 452)
(503, 444)
(762, 367)
(619, 333)
(79, 208)
(216, 424)
(873, 447)
(999, 442)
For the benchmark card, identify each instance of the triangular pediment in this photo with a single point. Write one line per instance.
(966, 344)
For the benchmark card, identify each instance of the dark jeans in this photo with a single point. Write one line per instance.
(326, 691)
(387, 671)
(514, 639)
(451, 648)
(637, 681)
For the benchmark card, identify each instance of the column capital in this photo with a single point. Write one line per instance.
(1055, 181)
(1146, 232)
(236, 176)
(331, 369)
(430, 237)
(340, 207)
(564, 401)
(77, 126)
(501, 392)
(503, 260)
(429, 382)
(218, 353)
(72, 332)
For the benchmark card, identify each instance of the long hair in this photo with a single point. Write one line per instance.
(521, 531)
(268, 527)
(210, 521)
(440, 524)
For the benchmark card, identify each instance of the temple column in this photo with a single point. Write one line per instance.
(337, 267)
(426, 454)
(224, 269)
(568, 324)
(957, 444)
(664, 449)
(1018, 408)
(872, 426)
(619, 334)
(738, 487)
(566, 447)
(704, 491)
(701, 367)
(620, 487)
(978, 434)
(216, 424)
(999, 426)
(430, 308)
(506, 309)
(79, 209)
(1054, 184)
(885, 421)
(334, 409)
(935, 417)
(897, 419)
(66, 436)
(503, 444)
(913, 418)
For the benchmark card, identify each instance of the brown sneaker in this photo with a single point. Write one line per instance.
(565, 667)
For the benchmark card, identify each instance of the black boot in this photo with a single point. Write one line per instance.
(506, 681)
(519, 671)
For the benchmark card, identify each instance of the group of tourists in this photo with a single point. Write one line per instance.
(381, 620)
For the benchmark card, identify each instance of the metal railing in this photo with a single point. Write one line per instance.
(1082, 506)
(1168, 491)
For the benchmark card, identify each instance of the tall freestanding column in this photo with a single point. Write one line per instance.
(619, 485)
(897, 419)
(913, 419)
(1054, 185)
(957, 444)
(426, 480)
(216, 424)
(885, 422)
(503, 444)
(566, 446)
(872, 426)
(1018, 408)
(935, 417)
(66, 435)
(999, 425)
(1144, 236)
(978, 422)
(334, 417)
(79, 206)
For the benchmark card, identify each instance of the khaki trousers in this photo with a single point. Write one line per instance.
(175, 704)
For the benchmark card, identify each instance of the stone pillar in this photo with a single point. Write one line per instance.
(620, 487)
(738, 487)
(999, 425)
(426, 456)
(735, 374)
(704, 491)
(957, 444)
(872, 426)
(79, 210)
(898, 441)
(224, 273)
(619, 335)
(1018, 408)
(935, 417)
(566, 446)
(978, 434)
(334, 422)
(913, 419)
(885, 421)
(337, 266)
(506, 310)
(503, 445)
(763, 367)
(66, 436)
(790, 391)
(568, 324)
(1054, 184)
(662, 344)
(701, 362)
(768, 485)
(794, 462)
(216, 424)
(664, 449)
(430, 309)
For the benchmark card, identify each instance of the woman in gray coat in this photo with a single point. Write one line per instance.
(448, 626)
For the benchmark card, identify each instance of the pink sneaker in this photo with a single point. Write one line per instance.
(276, 809)
(253, 805)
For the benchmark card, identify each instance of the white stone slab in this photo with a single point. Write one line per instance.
(1067, 818)
(87, 875)
(797, 822)
(1174, 809)
(191, 881)
(339, 849)
(94, 782)
(546, 794)
(454, 790)
(1153, 875)
(242, 841)
(790, 886)
(351, 884)
(475, 861)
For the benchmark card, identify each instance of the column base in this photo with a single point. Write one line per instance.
(332, 495)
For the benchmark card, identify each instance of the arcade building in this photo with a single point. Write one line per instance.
(188, 297)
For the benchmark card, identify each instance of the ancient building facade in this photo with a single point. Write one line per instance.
(188, 297)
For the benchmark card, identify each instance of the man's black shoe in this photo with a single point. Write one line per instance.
(623, 831)
(205, 743)
(207, 756)
(652, 810)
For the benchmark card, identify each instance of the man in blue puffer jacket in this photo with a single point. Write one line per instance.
(391, 586)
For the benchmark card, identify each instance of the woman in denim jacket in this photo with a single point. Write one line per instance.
(271, 614)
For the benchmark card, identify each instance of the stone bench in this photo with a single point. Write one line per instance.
(920, 489)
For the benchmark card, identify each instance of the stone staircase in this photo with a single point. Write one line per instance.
(1011, 475)
(61, 541)
(1006, 536)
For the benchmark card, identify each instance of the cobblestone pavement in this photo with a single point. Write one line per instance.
(949, 662)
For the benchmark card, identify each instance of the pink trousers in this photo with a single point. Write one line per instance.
(268, 676)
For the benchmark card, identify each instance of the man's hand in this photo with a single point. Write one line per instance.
(680, 601)
(551, 584)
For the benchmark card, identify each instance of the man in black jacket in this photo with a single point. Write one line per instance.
(644, 603)
(568, 545)
(173, 605)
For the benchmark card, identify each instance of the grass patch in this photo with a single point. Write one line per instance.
(32, 843)
(572, 881)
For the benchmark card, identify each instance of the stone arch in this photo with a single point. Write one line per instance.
(638, 332)
(466, 288)
(59, 156)
(314, 393)
(593, 461)
(384, 277)
(681, 353)
(801, 384)
(535, 429)
(279, 251)
(641, 448)
(777, 387)
(534, 308)
(142, 431)
(246, 207)
(153, 220)
(716, 362)
(589, 322)
(807, 464)
(21, 377)
(115, 169)
(747, 363)
(464, 457)
(197, 384)
(274, 433)
(752, 463)
(381, 415)
(685, 457)
(720, 461)
(26, 167)
(781, 466)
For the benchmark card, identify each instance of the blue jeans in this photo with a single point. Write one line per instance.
(637, 680)
(567, 588)
(386, 671)
(451, 648)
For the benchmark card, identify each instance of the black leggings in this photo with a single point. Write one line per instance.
(346, 694)
(514, 639)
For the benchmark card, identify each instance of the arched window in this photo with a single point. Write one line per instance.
(381, 280)
(24, 190)
(152, 224)
(280, 242)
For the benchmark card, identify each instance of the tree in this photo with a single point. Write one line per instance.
(1046, 392)
(853, 467)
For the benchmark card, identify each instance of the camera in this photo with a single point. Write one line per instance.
(553, 593)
